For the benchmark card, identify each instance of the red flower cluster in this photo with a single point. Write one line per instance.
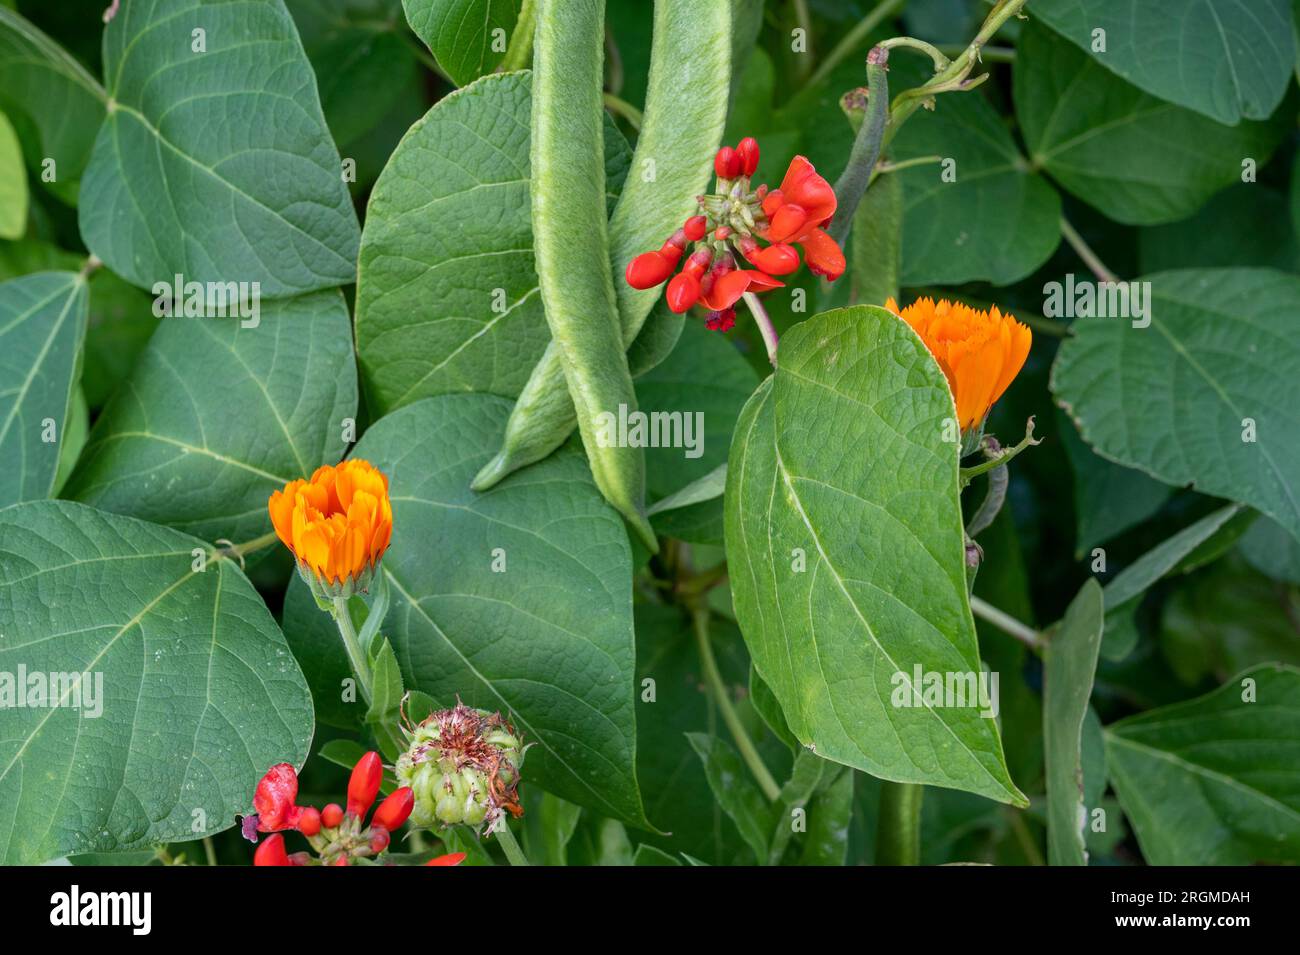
(337, 835)
(728, 221)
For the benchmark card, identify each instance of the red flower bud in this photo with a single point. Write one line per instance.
(698, 262)
(455, 858)
(394, 810)
(648, 270)
(363, 787)
(683, 291)
(727, 163)
(722, 232)
(274, 799)
(695, 227)
(331, 815)
(672, 249)
(309, 821)
(777, 259)
(271, 852)
(747, 148)
(379, 840)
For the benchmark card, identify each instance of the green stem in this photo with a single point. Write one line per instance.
(210, 850)
(854, 39)
(621, 107)
(1002, 458)
(520, 51)
(748, 752)
(1007, 624)
(506, 838)
(884, 167)
(765, 326)
(898, 829)
(861, 166)
(1084, 251)
(936, 56)
(956, 76)
(357, 657)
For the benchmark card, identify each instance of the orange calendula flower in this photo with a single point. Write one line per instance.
(980, 352)
(337, 524)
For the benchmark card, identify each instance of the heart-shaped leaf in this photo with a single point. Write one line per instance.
(846, 554)
(447, 296)
(1215, 780)
(175, 690)
(547, 638)
(1138, 159)
(219, 412)
(1224, 58)
(981, 213)
(226, 172)
(468, 37)
(55, 104)
(42, 323)
(1202, 395)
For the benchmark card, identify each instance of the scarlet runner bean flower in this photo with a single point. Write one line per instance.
(338, 837)
(732, 221)
(337, 524)
(980, 352)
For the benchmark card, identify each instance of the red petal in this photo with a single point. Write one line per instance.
(455, 858)
(822, 255)
(788, 220)
(271, 852)
(274, 798)
(683, 292)
(726, 290)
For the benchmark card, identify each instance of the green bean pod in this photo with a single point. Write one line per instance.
(685, 112)
(572, 248)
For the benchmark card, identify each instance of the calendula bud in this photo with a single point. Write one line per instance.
(337, 524)
(364, 784)
(463, 768)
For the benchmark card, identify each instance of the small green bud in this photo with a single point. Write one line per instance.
(463, 767)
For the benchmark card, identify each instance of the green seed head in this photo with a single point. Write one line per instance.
(463, 766)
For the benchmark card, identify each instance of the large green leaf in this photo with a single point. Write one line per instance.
(1215, 780)
(846, 554)
(225, 172)
(1174, 398)
(1224, 58)
(13, 183)
(42, 322)
(187, 690)
(1067, 683)
(1246, 224)
(463, 34)
(547, 640)
(56, 105)
(1108, 498)
(215, 416)
(362, 61)
(447, 295)
(1138, 159)
(997, 221)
